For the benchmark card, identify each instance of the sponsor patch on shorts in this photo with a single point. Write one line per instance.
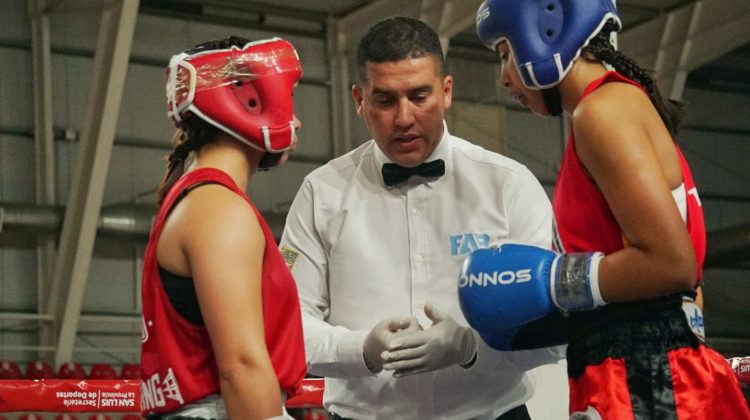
(694, 318)
(290, 256)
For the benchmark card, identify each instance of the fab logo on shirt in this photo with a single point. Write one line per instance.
(466, 243)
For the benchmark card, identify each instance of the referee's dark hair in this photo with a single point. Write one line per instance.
(395, 39)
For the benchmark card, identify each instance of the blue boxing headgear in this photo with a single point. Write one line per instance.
(545, 36)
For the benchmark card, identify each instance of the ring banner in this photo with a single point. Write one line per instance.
(106, 395)
(70, 396)
(741, 368)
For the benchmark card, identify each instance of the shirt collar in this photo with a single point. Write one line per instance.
(441, 152)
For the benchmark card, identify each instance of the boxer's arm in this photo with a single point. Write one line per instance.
(634, 176)
(227, 279)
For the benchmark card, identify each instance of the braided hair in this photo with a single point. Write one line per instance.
(600, 48)
(193, 132)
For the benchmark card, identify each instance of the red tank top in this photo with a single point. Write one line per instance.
(177, 360)
(584, 221)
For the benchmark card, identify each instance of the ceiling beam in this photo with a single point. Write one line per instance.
(352, 26)
(341, 109)
(44, 152)
(690, 36)
(449, 17)
(71, 271)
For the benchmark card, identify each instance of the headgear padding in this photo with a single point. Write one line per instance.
(244, 91)
(545, 36)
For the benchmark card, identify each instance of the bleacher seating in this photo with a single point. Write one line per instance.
(130, 371)
(10, 370)
(102, 371)
(39, 370)
(71, 370)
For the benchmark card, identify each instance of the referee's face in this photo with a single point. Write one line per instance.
(403, 103)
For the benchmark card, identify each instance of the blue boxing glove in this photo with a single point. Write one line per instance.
(504, 288)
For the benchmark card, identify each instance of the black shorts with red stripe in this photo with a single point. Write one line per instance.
(641, 360)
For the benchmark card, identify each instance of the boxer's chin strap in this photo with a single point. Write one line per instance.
(269, 160)
(575, 282)
(552, 100)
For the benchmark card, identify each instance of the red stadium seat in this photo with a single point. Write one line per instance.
(39, 370)
(99, 417)
(71, 370)
(31, 416)
(65, 417)
(10, 370)
(130, 371)
(102, 371)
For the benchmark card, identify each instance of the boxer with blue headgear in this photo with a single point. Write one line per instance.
(546, 37)
(630, 240)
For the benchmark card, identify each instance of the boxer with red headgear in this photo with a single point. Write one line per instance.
(222, 329)
(243, 90)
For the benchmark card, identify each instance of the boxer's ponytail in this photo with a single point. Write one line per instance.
(670, 111)
(191, 136)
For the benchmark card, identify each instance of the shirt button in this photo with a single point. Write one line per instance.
(418, 258)
(414, 211)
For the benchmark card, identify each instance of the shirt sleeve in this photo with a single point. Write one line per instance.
(530, 215)
(530, 212)
(331, 351)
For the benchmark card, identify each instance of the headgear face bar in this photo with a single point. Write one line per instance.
(244, 91)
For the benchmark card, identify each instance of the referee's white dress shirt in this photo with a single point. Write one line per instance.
(361, 252)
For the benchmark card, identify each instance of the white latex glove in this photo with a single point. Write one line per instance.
(378, 338)
(444, 344)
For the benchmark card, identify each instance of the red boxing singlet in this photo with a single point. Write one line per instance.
(639, 359)
(584, 221)
(177, 359)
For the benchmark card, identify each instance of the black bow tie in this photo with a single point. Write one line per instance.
(394, 174)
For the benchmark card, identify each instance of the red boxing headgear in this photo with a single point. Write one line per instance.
(244, 91)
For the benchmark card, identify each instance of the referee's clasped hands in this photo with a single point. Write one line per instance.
(401, 345)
